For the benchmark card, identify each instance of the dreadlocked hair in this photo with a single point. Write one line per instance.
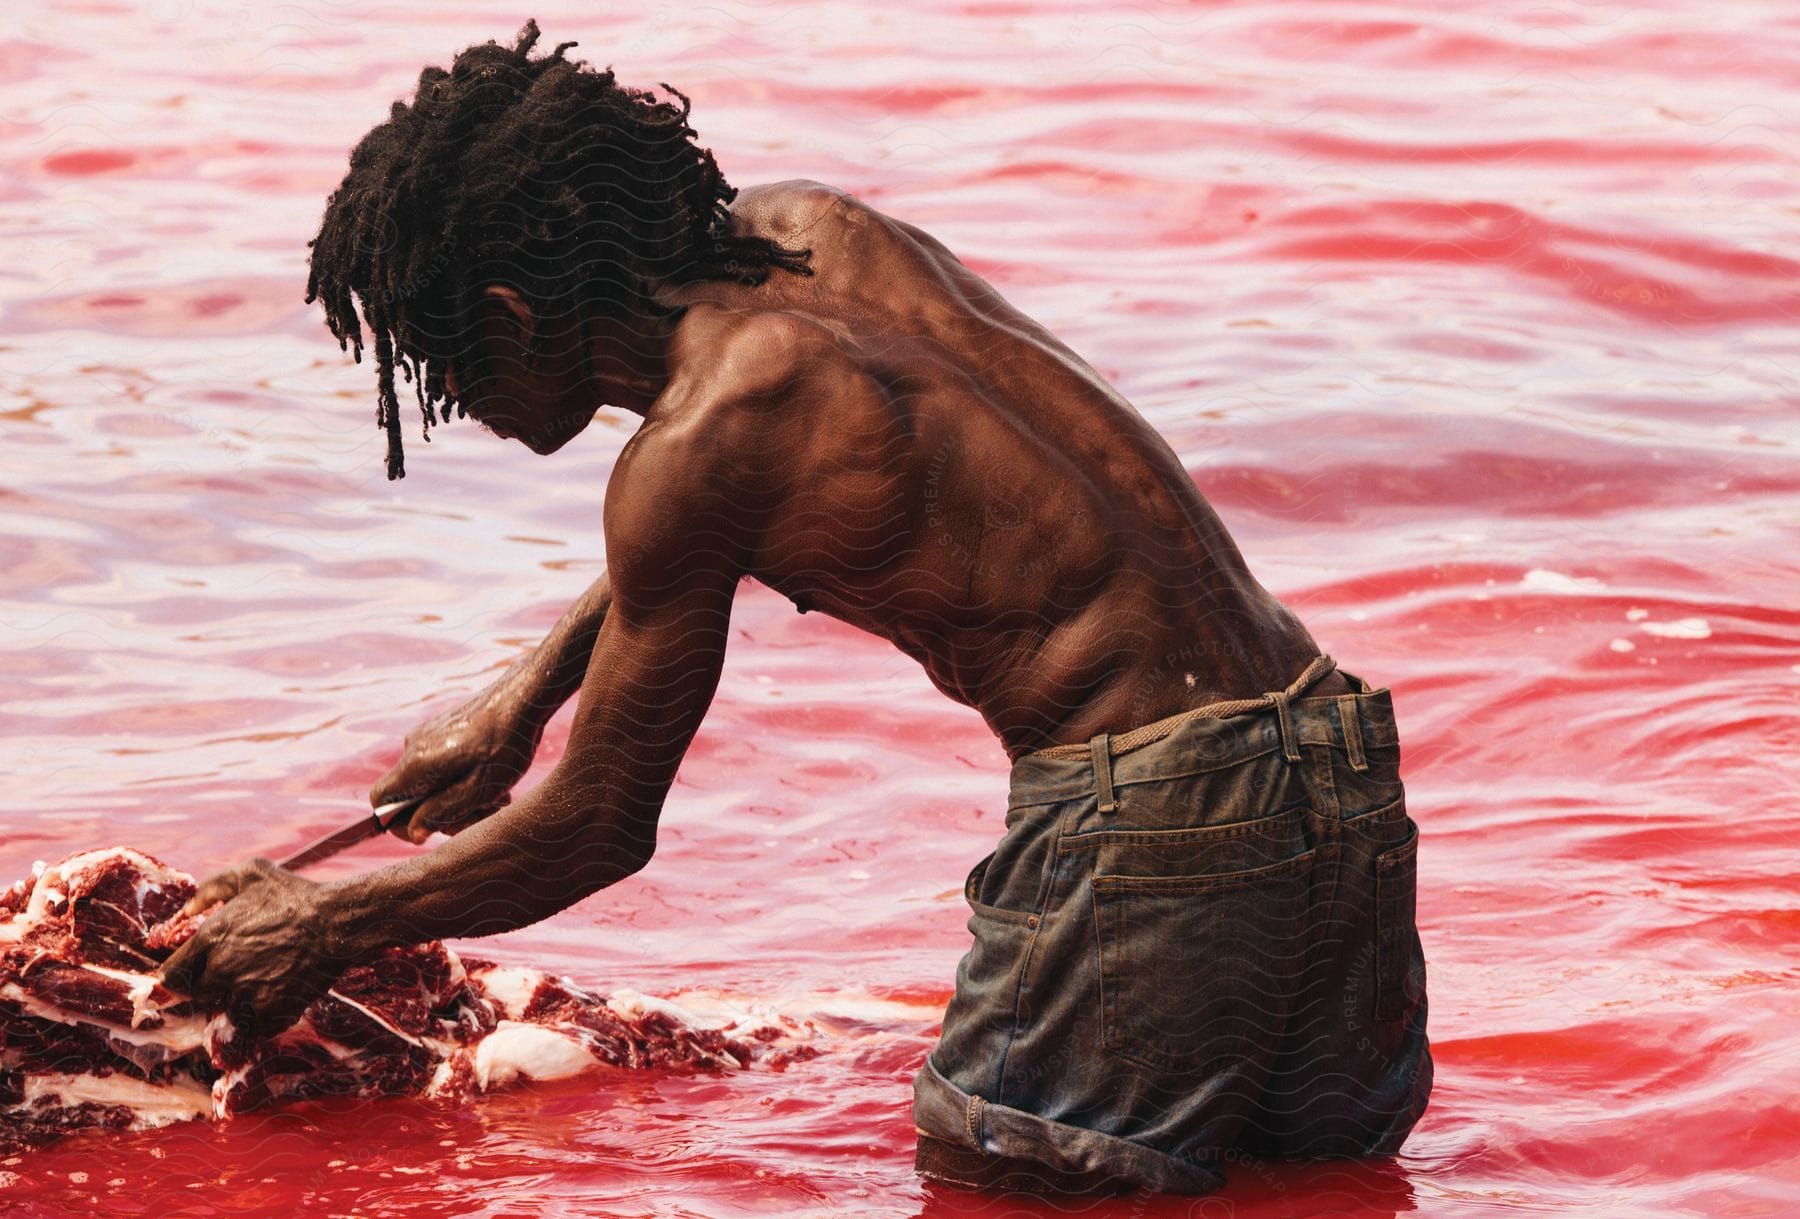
(539, 173)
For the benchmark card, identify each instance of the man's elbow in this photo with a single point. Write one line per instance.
(586, 844)
(623, 847)
(596, 824)
(586, 867)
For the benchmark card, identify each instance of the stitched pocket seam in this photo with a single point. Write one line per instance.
(1202, 883)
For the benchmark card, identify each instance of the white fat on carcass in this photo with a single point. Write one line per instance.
(49, 884)
(634, 1005)
(151, 1104)
(510, 987)
(530, 1051)
(140, 987)
(221, 1031)
(458, 975)
(178, 1034)
(739, 1014)
(375, 1016)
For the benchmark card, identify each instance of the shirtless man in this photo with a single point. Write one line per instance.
(1196, 936)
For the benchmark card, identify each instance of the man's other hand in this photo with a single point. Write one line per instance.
(464, 762)
(262, 957)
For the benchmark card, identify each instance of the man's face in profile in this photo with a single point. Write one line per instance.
(542, 398)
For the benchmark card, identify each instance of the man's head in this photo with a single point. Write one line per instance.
(535, 188)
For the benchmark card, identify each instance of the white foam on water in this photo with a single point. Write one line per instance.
(1542, 580)
(1681, 628)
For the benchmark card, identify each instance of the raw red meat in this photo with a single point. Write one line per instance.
(89, 1039)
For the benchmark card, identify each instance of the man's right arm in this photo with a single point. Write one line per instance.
(468, 759)
(549, 675)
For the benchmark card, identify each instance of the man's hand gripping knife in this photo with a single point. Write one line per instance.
(465, 762)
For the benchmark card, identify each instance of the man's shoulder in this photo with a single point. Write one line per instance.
(751, 388)
(793, 205)
(801, 212)
(749, 362)
(789, 190)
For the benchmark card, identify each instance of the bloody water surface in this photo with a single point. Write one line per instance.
(1477, 325)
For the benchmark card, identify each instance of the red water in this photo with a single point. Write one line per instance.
(1477, 326)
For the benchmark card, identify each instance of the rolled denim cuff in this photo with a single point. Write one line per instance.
(945, 1111)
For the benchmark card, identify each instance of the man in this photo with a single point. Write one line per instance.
(1195, 939)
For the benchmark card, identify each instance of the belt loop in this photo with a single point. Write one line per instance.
(1353, 745)
(1290, 743)
(1101, 750)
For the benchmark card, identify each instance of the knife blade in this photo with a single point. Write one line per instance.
(364, 827)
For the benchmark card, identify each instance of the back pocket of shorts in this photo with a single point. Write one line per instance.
(1399, 978)
(1197, 971)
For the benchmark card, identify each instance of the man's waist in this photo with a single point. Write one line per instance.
(1209, 738)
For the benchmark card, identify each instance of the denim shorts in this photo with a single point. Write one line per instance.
(1218, 960)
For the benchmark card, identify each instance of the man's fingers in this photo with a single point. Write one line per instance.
(399, 783)
(277, 1016)
(403, 782)
(468, 801)
(222, 887)
(407, 828)
(446, 817)
(410, 781)
(185, 967)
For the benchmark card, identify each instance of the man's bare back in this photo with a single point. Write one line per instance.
(953, 478)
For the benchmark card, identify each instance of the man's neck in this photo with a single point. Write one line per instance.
(629, 360)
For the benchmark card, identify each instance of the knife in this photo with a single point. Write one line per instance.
(366, 826)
